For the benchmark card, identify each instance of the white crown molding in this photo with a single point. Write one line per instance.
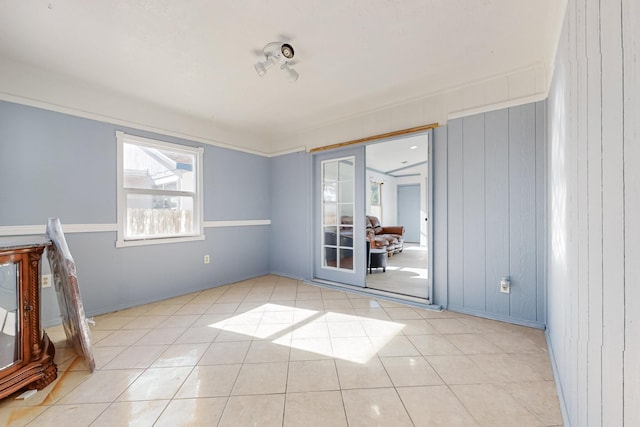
(288, 151)
(120, 122)
(497, 106)
(515, 87)
(455, 90)
(28, 86)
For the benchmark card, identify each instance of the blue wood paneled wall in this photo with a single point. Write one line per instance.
(593, 209)
(489, 214)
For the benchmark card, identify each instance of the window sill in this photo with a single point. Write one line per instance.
(162, 241)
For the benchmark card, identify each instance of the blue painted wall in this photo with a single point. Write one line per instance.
(57, 165)
(290, 247)
(237, 185)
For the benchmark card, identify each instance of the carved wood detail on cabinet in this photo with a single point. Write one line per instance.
(26, 353)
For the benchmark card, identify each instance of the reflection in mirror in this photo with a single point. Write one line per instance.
(346, 170)
(330, 171)
(329, 194)
(346, 213)
(9, 322)
(330, 213)
(346, 192)
(397, 235)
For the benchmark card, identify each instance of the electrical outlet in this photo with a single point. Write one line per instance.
(505, 285)
(207, 259)
(46, 280)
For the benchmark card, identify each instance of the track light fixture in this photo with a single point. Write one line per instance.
(277, 53)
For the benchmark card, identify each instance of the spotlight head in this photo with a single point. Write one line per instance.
(290, 74)
(287, 50)
(261, 67)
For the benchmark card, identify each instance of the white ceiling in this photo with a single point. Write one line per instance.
(196, 57)
(402, 156)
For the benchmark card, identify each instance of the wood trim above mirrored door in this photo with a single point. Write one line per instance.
(376, 137)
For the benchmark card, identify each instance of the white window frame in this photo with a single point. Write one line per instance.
(198, 212)
(339, 248)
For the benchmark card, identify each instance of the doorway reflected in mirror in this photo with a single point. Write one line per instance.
(397, 174)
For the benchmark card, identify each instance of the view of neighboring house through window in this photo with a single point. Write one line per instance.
(159, 191)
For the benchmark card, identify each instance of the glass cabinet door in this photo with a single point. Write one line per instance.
(9, 320)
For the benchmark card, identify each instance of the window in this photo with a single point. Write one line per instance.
(159, 191)
(376, 200)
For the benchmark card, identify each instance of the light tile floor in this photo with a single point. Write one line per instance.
(277, 352)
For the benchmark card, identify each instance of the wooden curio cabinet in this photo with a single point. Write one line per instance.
(26, 354)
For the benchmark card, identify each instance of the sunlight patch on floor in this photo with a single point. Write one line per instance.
(418, 273)
(339, 335)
